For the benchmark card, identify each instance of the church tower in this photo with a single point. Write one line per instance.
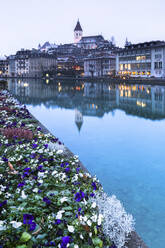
(78, 32)
(78, 119)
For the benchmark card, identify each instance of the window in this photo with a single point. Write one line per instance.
(158, 65)
(158, 56)
(140, 57)
(129, 66)
(157, 49)
(121, 67)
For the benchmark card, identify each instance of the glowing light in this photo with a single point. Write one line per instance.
(47, 81)
(140, 57)
(121, 93)
(26, 85)
(121, 67)
(141, 104)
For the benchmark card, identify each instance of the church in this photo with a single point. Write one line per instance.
(87, 42)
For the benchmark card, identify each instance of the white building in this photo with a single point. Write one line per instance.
(102, 64)
(30, 63)
(142, 60)
(91, 42)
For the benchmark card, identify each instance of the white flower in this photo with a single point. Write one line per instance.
(41, 174)
(100, 219)
(63, 199)
(76, 246)
(94, 218)
(90, 234)
(59, 152)
(93, 205)
(23, 195)
(16, 224)
(59, 214)
(81, 237)
(85, 218)
(35, 190)
(80, 174)
(2, 226)
(40, 150)
(40, 181)
(89, 223)
(70, 229)
(54, 172)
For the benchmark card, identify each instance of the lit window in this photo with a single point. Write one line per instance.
(129, 66)
(140, 57)
(121, 67)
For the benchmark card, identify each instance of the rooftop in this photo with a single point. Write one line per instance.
(146, 44)
(78, 27)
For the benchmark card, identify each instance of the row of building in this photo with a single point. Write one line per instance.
(89, 56)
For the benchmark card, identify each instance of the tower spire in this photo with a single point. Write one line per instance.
(78, 32)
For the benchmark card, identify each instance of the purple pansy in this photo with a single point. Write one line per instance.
(28, 218)
(32, 226)
(57, 222)
(46, 200)
(20, 185)
(34, 146)
(94, 185)
(3, 203)
(65, 240)
(79, 196)
(67, 170)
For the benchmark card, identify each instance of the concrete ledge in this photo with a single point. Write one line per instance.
(135, 241)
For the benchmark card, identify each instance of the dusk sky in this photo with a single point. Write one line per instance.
(26, 23)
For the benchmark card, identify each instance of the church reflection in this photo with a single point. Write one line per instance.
(92, 99)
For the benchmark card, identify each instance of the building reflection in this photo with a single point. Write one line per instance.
(92, 99)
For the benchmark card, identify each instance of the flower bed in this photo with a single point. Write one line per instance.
(46, 199)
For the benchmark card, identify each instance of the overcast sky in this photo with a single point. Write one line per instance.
(26, 23)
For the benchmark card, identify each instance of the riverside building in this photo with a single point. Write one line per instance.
(30, 63)
(4, 67)
(99, 65)
(142, 60)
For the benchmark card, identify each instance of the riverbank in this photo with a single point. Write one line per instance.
(45, 155)
(143, 81)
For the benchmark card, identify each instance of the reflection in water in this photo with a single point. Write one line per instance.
(93, 99)
(124, 147)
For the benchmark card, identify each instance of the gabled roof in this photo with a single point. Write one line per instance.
(46, 44)
(95, 37)
(78, 27)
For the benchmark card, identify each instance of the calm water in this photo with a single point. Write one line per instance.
(118, 131)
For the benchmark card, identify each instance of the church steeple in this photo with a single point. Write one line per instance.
(78, 32)
(78, 119)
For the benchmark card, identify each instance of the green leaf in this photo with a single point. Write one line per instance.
(68, 213)
(67, 208)
(25, 237)
(52, 192)
(95, 229)
(96, 241)
(21, 246)
(41, 236)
